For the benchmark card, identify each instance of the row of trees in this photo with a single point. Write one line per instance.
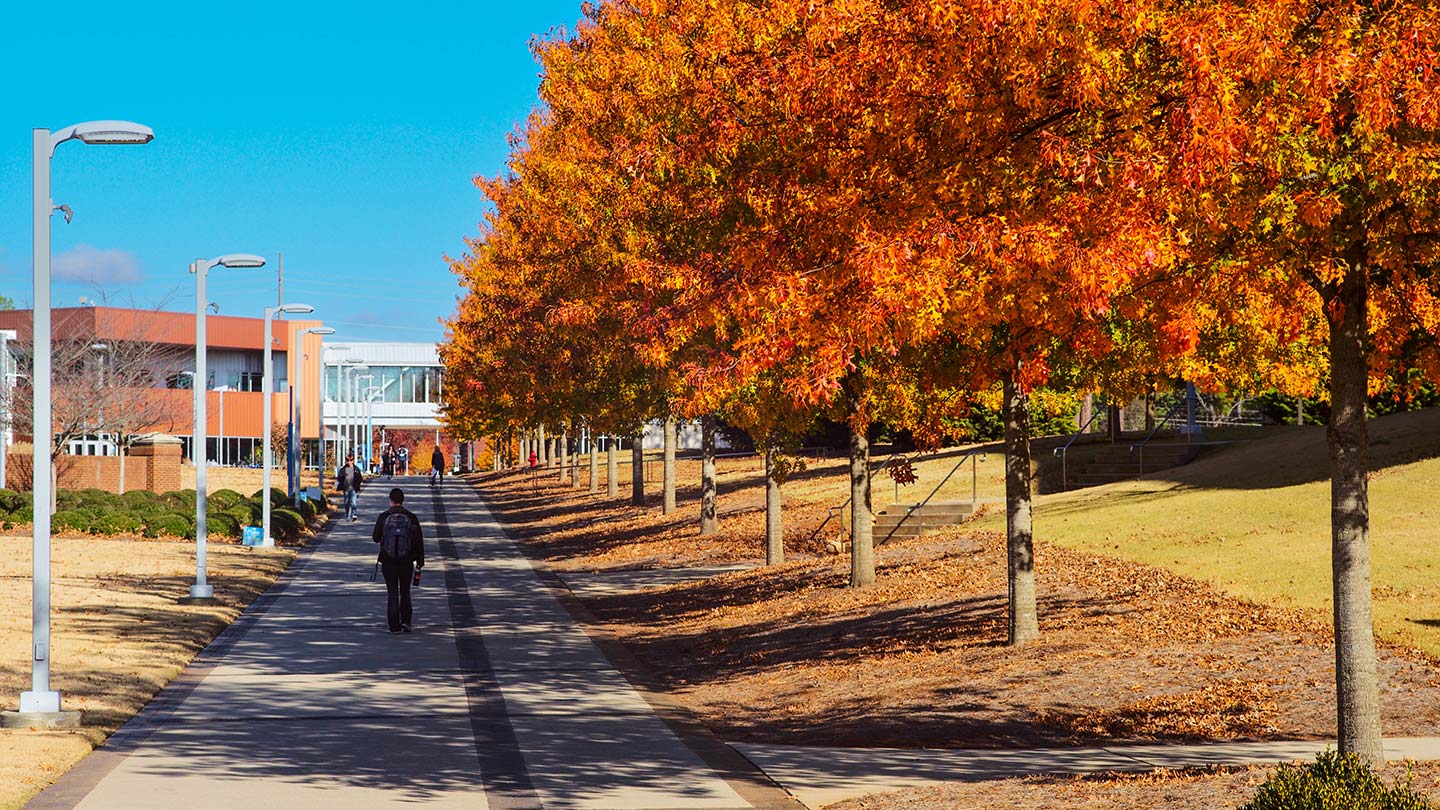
(891, 211)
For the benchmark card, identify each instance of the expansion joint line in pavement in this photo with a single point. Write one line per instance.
(502, 767)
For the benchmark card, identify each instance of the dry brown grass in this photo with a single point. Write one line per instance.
(118, 636)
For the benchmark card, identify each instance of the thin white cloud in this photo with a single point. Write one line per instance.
(84, 264)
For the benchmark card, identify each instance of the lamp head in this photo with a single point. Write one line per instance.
(320, 330)
(112, 132)
(295, 309)
(239, 261)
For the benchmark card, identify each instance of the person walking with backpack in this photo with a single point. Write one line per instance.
(437, 466)
(402, 555)
(348, 480)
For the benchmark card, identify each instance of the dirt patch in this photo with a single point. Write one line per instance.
(118, 636)
(789, 654)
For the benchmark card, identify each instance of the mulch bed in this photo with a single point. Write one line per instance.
(788, 654)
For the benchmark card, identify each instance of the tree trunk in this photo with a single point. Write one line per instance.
(709, 519)
(122, 471)
(1020, 547)
(564, 450)
(1356, 682)
(1300, 411)
(1149, 412)
(594, 466)
(575, 465)
(862, 521)
(637, 470)
(612, 469)
(774, 534)
(667, 475)
(1115, 415)
(543, 451)
(1087, 411)
(524, 450)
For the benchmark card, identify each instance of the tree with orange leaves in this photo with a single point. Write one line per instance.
(1307, 153)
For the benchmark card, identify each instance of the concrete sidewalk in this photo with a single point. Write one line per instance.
(498, 699)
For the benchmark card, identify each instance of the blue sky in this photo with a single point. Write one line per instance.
(344, 136)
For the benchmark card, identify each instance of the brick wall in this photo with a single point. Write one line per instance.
(151, 465)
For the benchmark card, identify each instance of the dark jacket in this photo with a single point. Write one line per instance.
(348, 477)
(437, 459)
(417, 542)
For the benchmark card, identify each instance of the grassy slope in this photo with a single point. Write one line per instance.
(1254, 520)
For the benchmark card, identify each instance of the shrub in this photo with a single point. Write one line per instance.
(139, 499)
(183, 498)
(222, 525)
(286, 523)
(307, 511)
(74, 520)
(244, 514)
(278, 497)
(1334, 781)
(117, 523)
(223, 499)
(11, 500)
(22, 515)
(169, 523)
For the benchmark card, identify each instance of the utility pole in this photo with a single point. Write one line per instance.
(280, 272)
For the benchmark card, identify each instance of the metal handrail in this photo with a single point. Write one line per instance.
(833, 512)
(1062, 452)
(972, 456)
(1159, 423)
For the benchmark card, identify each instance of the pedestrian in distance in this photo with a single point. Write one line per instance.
(403, 457)
(402, 555)
(349, 479)
(437, 467)
(534, 459)
(387, 464)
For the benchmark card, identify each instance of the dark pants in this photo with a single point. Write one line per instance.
(397, 591)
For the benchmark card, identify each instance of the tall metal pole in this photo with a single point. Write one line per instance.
(201, 589)
(297, 410)
(41, 698)
(7, 383)
(267, 427)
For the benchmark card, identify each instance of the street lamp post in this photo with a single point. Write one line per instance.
(299, 386)
(372, 393)
(41, 705)
(6, 382)
(353, 367)
(362, 450)
(339, 373)
(200, 267)
(268, 419)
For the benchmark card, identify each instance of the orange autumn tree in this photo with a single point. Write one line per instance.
(1308, 149)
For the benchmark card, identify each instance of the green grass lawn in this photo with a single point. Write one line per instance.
(1254, 519)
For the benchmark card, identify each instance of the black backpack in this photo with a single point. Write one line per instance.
(396, 538)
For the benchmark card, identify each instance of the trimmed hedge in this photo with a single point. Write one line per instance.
(286, 523)
(223, 499)
(222, 525)
(73, 520)
(10, 500)
(117, 523)
(307, 511)
(278, 497)
(169, 523)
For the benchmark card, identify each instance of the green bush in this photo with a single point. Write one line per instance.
(277, 496)
(73, 520)
(244, 514)
(169, 523)
(181, 498)
(307, 511)
(140, 499)
(222, 525)
(117, 523)
(286, 523)
(1334, 781)
(11, 500)
(22, 515)
(223, 499)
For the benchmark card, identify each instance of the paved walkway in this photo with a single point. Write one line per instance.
(497, 700)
